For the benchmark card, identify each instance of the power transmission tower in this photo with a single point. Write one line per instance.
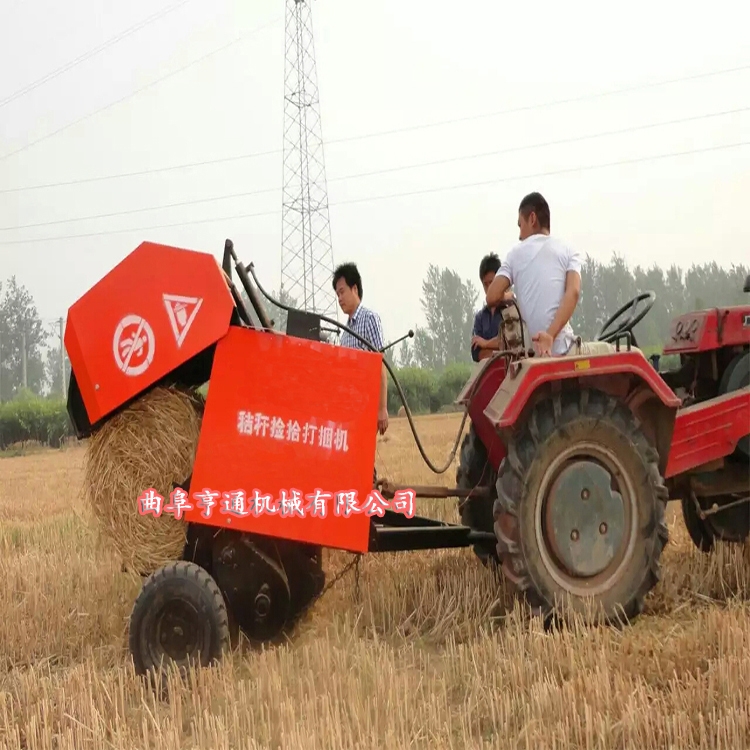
(306, 252)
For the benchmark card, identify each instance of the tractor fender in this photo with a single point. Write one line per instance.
(627, 375)
(486, 378)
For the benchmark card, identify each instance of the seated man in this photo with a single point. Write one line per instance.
(486, 337)
(546, 275)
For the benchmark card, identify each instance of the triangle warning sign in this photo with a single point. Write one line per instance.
(181, 312)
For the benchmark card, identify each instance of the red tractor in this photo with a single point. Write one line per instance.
(575, 458)
(564, 475)
(713, 346)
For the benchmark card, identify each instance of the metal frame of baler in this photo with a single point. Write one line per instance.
(393, 532)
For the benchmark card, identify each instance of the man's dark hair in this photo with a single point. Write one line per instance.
(535, 202)
(490, 264)
(349, 273)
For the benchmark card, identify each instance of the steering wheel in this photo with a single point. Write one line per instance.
(631, 321)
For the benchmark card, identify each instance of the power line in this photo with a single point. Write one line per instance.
(376, 172)
(141, 172)
(554, 103)
(82, 58)
(258, 154)
(238, 39)
(410, 193)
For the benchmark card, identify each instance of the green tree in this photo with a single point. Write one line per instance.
(406, 354)
(587, 318)
(21, 332)
(52, 373)
(606, 287)
(449, 305)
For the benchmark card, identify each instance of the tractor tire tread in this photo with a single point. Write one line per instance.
(550, 418)
(474, 470)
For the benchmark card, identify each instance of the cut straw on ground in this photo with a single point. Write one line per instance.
(429, 651)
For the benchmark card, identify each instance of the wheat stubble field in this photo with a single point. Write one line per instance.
(431, 654)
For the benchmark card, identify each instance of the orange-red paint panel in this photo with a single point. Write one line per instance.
(285, 414)
(526, 376)
(156, 309)
(705, 330)
(708, 431)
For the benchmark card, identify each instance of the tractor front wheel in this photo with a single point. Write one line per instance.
(179, 617)
(579, 516)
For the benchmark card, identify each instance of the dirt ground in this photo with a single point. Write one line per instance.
(429, 652)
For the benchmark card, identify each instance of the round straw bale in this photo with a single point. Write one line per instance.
(150, 444)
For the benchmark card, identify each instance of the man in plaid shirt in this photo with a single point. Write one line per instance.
(347, 284)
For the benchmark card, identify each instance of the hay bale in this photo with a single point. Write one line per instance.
(152, 443)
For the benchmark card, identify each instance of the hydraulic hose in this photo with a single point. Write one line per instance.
(401, 394)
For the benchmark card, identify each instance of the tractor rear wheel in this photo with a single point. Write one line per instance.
(579, 516)
(179, 616)
(736, 376)
(474, 470)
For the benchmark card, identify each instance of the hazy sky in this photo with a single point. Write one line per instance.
(382, 66)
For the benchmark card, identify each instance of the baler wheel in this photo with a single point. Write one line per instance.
(179, 616)
(580, 511)
(474, 470)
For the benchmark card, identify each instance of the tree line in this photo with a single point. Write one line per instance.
(431, 368)
(449, 304)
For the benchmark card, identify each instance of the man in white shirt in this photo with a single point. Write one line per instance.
(546, 277)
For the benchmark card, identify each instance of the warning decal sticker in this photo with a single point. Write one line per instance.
(133, 345)
(181, 312)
